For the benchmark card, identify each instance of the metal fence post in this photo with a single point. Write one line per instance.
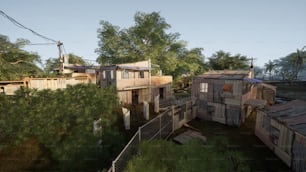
(160, 127)
(172, 111)
(139, 131)
(113, 167)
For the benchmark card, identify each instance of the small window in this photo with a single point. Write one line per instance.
(141, 74)
(125, 74)
(203, 87)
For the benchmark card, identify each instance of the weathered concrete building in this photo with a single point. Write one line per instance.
(282, 128)
(134, 83)
(9, 87)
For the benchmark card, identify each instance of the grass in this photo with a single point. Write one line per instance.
(260, 158)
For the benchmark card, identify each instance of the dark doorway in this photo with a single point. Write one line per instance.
(161, 93)
(135, 97)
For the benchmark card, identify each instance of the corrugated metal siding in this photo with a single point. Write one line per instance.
(262, 128)
(232, 101)
(233, 115)
(218, 113)
(210, 90)
(202, 110)
(237, 87)
(217, 87)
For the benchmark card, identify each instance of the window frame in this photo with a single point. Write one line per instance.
(141, 74)
(203, 87)
(125, 74)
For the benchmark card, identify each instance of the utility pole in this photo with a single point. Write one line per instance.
(60, 57)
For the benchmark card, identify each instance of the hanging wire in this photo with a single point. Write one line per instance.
(64, 49)
(40, 44)
(24, 27)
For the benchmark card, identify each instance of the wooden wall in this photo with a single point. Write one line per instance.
(288, 145)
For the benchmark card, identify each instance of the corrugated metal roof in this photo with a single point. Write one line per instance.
(226, 74)
(292, 114)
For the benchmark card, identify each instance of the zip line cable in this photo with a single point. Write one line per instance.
(24, 27)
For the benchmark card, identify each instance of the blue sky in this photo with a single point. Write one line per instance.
(263, 29)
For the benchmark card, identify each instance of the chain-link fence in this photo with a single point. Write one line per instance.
(161, 127)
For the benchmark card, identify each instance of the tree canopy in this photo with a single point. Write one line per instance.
(288, 67)
(224, 60)
(148, 39)
(17, 63)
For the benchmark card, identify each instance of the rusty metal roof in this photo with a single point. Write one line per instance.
(292, 114)
(225, 74)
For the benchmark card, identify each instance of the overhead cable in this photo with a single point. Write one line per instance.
(24, 27)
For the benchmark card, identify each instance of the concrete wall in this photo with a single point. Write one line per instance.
(134, 80)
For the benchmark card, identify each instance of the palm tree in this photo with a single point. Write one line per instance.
(298, 60)
(269, 68)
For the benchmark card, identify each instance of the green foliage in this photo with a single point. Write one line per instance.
(291, 66)
(53, 63)
(16, 63)
(168, 156)
(148, 39)
(224, 60)
(62, 121)
(270, 68)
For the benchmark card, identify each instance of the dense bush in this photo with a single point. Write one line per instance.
(62, 122)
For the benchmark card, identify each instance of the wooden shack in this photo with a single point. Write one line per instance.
(224, 96)
(282, 128)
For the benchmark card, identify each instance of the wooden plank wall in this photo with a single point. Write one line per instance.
(233, 115)
(219, 112)
(261, 132)
(217, 90)
(299, 153)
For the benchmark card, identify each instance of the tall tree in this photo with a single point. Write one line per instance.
(270, 67)
(147, 39)
(17, 63)
(297, 61)
(290, 66)
(224, 60)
